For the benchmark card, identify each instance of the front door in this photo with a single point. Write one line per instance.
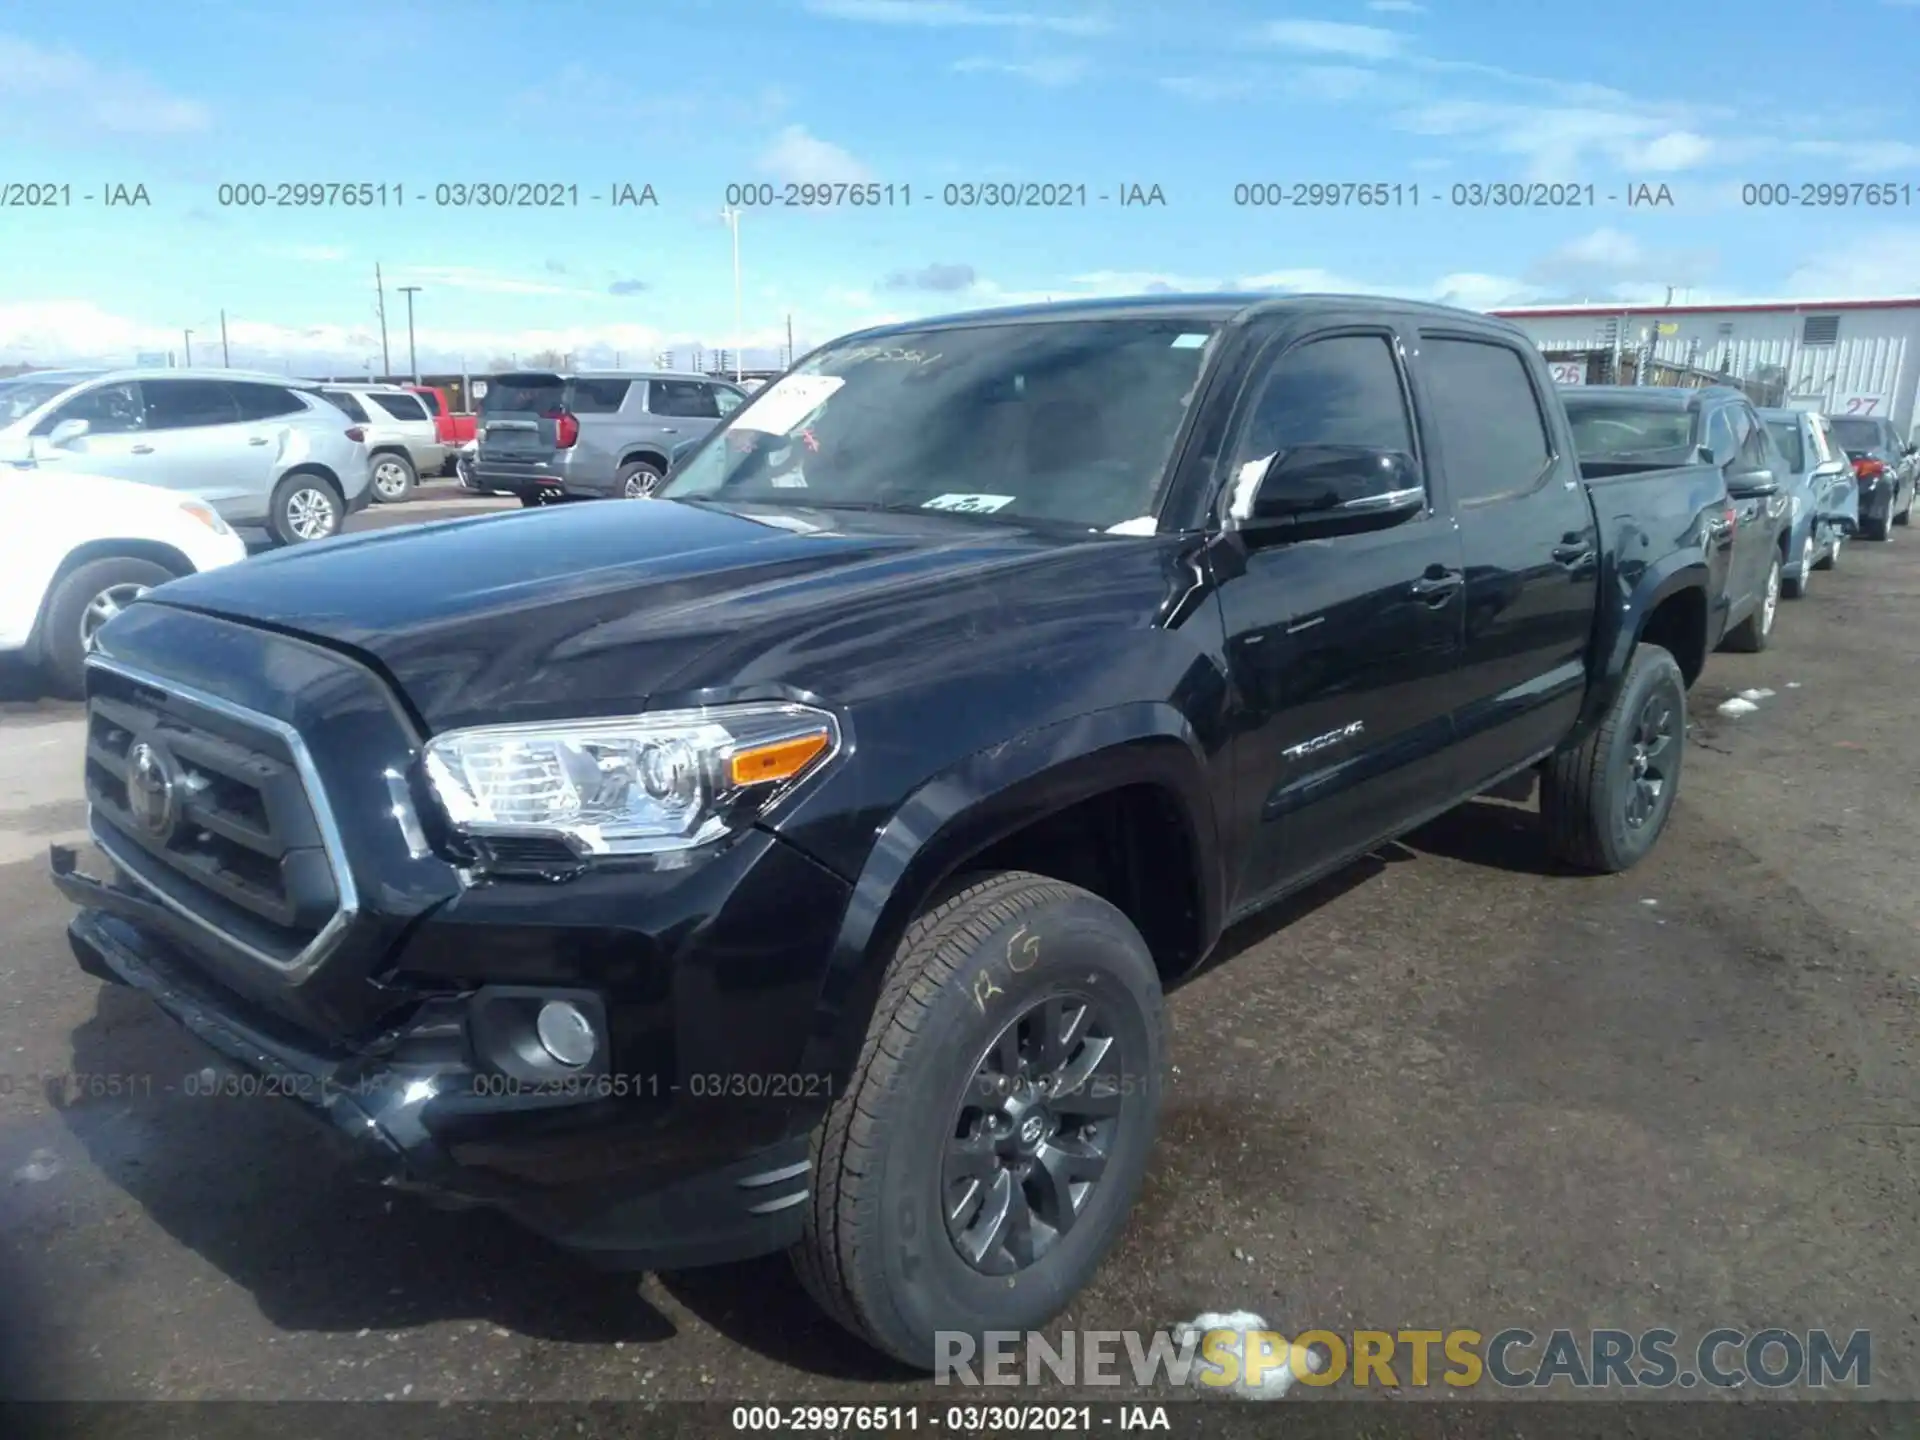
(1753, 515)
(1342, 650)
(115, 442)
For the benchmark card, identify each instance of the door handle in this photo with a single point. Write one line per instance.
(1436, 590)
(668, 430)
(142, 449)
(260, 440)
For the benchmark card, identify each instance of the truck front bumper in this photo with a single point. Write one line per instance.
(627, 1178)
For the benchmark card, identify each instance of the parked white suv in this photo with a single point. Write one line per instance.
(76, 549)
(261, 450)
(403, 442)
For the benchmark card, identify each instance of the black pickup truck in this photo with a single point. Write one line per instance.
(1711, 442)
(798, 859)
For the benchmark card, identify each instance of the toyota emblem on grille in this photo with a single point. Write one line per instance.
(152, 792)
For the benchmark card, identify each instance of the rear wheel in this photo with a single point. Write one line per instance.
(1905, 517)
(638, 479)
(1876, 528)
(304, 507)
(81, 604)
(1605, 802)
(393, 477)
(1832, 560)
(993, 1135)
(1753, 634)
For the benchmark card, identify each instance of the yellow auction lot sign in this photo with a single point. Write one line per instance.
(1414, 1359)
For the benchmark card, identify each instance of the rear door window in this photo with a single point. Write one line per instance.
(401, 407)
(264, 402)
(597, 395)
(686, 399)
(188, 404)
(347, 402)
(1486, 416)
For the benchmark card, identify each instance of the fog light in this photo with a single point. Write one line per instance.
(566, 1033)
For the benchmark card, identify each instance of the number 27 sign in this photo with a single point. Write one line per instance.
(1862, 405)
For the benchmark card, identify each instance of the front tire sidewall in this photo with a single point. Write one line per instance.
(637, 473)
(1627, 844)
(63, 656)
(1090, 949)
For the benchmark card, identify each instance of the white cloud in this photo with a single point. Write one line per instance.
(944, 14)
(1563, 142)
(1675, 150)
(1883, 262)
(798, 157)
(62, 91)
(1052, 72)
(1329, 37)
(1862, 157)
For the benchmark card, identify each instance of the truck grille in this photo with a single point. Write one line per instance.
(216, 811)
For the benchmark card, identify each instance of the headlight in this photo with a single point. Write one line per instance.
(206, 515)
(631, 785)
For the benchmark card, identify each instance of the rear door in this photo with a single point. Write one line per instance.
(612, 413)
(1755, 517)
(409, 412)
(1528, 540)
(1343, 649)
(686, 409)
(200, 445)
(265, 412)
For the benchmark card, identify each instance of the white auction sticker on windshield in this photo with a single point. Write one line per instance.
(969, 504)
(1188, 342)
(786, 402)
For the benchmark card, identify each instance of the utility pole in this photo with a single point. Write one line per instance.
(789, 364)
(187, 335)
(413, 359)
(380, 288)
(225, 359)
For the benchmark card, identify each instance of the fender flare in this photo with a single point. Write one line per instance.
(989, 795)
(1613, 653)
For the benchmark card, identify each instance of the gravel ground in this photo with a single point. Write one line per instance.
(1448, 1088)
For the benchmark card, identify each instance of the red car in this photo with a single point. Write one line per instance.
(453, 428)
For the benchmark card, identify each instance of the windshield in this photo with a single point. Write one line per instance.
(1607, 429)
(1858, 434)
(20, 398)
(1069, 421)
(1786, 434)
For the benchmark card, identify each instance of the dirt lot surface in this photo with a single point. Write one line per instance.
(1448, 1089)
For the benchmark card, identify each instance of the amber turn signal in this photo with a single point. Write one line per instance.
(782, 760)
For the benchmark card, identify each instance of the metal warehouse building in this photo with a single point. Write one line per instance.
(1846, 357)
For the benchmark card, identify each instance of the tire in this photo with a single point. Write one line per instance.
(1877, 529)
(82, 601)
(1835, 543)
(877, 1252)
(393, 477)
(638, 479)
(296, 513)
(1797, 589)
(1905, 517)
(1754, 633)
(1586, 792)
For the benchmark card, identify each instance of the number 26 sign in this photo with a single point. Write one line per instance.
(1568, 372)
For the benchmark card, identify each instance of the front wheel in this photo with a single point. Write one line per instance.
(304, 507)
(81, 604)
(1756, 631)
(638, 480)
(1797, 589)
(1605, 802)
(1832, 559)
(994, 1132)
(393, 477)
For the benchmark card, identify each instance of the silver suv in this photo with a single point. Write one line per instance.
(403, 443)
(596, 434)
(262, 451)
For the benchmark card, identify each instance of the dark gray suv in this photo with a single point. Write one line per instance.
(594, 434)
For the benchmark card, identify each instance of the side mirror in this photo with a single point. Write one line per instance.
(1707, 457)
(1754, 485)
(66, 432)
(1333, 483)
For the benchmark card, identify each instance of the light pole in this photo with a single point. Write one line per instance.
(187, 335)
(413, 360)
(732, 217)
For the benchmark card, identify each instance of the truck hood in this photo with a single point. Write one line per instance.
(594, 608)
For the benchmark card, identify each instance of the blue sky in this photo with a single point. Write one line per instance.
(688, 96)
